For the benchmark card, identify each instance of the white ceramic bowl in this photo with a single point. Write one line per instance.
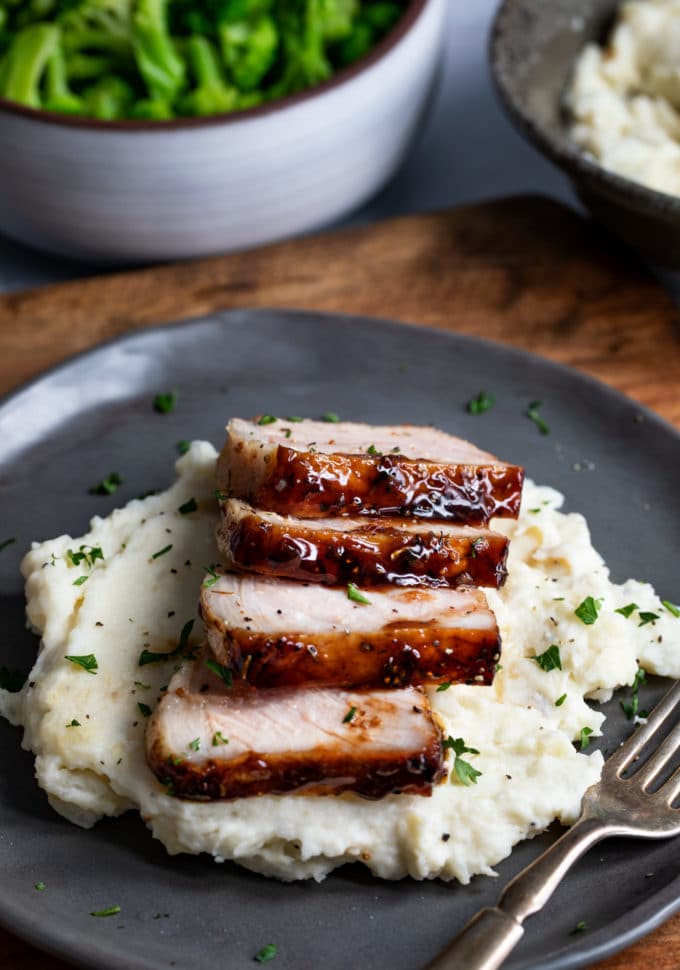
(122, 191)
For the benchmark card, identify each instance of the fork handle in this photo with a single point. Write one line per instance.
(492, 934)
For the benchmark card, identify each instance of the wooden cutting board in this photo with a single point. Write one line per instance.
(524, 271)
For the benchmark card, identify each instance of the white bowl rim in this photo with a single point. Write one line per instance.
(412, 13)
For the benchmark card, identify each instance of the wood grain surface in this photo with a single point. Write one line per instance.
(523, 271)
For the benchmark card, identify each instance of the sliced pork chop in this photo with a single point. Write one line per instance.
(276, 633)
(314, 469)
(365, 551)
(207, 741)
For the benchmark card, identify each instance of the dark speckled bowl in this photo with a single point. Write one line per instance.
(534, 44)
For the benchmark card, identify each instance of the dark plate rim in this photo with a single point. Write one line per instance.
(609, 939)
(560, 150)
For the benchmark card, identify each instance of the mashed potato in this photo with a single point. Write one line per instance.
(87, 729)
(625, 98)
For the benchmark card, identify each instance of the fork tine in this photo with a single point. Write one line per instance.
(653, 767)
(620, 760)
(671, 788)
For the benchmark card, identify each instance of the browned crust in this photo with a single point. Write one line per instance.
(398, 656)
(320, 771)
(310, 484)
(371, 555)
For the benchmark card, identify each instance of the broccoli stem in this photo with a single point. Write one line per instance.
(211, 94)
(27, 59)
(58, 95)
(158, 62)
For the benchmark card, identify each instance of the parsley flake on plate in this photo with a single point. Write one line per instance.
(195, 744)
(144, 709)
(211, 578)
(161, 552)
(219, 738)
(151, 657)
(672, 608)
(632, 708)
(349, 716)
(266, 954)
(74, 723)
(627, 610)
(647, 617)
(533, 415)
(483, 402)
(331, 417)
(7, 542)
(268, 419)
(109, 911)
(560, 700)
(165, 403)
(462, 769)
(550, 659)
(183, 446)
(584, 737)
(80, 580)
(444, 686)
(40, 886)
(108, 485)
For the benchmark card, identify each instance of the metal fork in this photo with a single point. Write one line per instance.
(614, 806)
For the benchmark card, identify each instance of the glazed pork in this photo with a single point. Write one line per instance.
(207, 741)
(315, 469)
(365, 551)
(276, 633)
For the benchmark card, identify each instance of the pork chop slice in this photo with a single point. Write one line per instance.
(277, 632)
(366, 551)
(207, 741)
(315, 469)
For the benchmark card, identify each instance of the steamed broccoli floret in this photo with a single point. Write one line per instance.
(304, 54)
(159, 63)
(110, 98)
(26, 61)
(249, 48)
(334, 17)
(98, 27)
(58, 95)
(150, 109)
(212, 95)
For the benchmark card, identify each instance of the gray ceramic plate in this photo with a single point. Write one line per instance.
(93, 415)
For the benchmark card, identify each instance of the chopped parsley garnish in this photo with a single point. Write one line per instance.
(87, 554)
(331, 417)
(647, 617)
(533, 415)
(444, 686)
(588, 610)
(223, 672)
(671, 607)
(108, 485)
(161, 552)
(7, 542)
(475, 545)
(142, 686)
(220, 495)
(463, 770)
(219, 738)
(560, 700)
(109, 911)
(631, 709)
(11, 680)
(550, 659)
(266, 954)
(183, 446)
(40, 886)
(195, 744)
(627, 610)
(211, 578)
(80, 580)
(165, 403)
(150, 657)
(144, 709)
(373, 451)
(268, 419)
(349, 716)
(584, 737)
(294, 419)
(580, 927)
(354, 594)
(287, 432)
(188, 507)
(74, 723)
(483, 402)
(88, 662)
